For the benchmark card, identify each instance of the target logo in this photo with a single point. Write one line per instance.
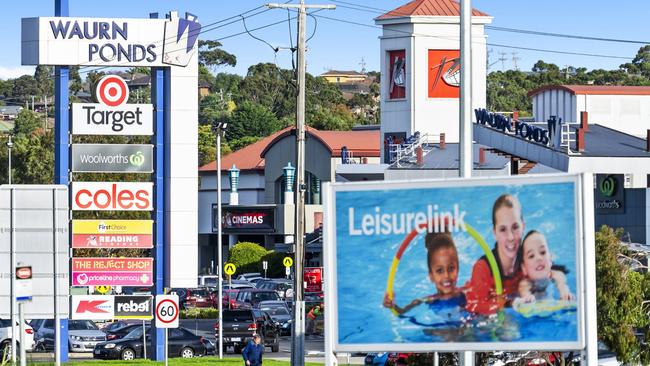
(112, 91)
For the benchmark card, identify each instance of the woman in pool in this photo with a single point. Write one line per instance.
(508, 226)
(442, 261)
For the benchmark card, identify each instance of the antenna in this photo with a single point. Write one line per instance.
(515, 59)
(503, 60)
(363, 65)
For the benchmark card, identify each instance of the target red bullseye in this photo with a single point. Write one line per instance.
(112, 91)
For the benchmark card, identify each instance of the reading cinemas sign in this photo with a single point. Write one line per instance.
(112, 115)
(112, 158)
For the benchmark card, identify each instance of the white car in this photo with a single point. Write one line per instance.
(605, 356)
(5, 336)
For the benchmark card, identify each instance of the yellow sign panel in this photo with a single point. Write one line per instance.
(102, 289)
(230, 269)
(112, 227)
(287, 261)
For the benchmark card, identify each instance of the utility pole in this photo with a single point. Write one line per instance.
(515, 59)
(298, 335)
(503, 59)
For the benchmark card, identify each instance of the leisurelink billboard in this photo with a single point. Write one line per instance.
(484, 264)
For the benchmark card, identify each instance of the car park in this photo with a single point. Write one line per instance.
(250, 277)
(198, 298)
(82, 334)
(228, 298)
(283, 287)
(208, 281)
(237, 284)
(279, 313)
(120, 333)
(181, 343)
(6, 335)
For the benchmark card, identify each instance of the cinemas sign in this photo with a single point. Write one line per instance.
(106, 307)
(112, 271)
(112, 196)
(245, 219)
(112, 233)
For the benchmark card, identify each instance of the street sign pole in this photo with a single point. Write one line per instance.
(21, 319)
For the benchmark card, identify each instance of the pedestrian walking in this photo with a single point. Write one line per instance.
(253, 352)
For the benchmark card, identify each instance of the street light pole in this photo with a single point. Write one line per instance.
(219, 128)
(10, 145)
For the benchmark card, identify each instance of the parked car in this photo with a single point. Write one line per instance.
(120, 333)
(181, 343)
(198, 298)
(112, 326)
(249, 298)
(83, 335)
(279, 313)
(240, 325)
(208, 280)
(237, 284)
(249, 276)
(283, 287)
(182, 296)
(6, 335)
(228, 302)
(605, 356)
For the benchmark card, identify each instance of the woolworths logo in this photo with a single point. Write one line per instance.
(137, 159)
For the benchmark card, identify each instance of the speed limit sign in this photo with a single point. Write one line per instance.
(167, 311)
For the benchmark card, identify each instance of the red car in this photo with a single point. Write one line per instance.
(228, 298)
(198, 298)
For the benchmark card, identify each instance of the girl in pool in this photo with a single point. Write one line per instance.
(507, 226)
(442, 260)
(539, 272)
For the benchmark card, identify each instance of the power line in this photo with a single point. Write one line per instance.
(488, 44)
(371, 9)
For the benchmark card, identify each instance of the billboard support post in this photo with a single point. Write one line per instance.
(21, 320)
(589, 248)
(13, 274)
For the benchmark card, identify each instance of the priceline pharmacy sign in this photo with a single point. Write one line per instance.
(109, 42)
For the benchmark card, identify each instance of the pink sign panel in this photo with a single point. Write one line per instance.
(112, 271)
(313, 279)
(112, 241)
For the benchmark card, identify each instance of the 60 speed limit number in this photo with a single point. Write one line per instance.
(167, 311)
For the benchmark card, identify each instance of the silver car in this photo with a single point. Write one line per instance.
(83, 335)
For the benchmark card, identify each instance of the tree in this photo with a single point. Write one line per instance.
(247, 256)
(640, 65)
(252, 119)
(211, 56)
(212, 108)
(228, 84)
(620, 297)
(269, 86)
(24, 87)
(44, 80)
(27, 123)
(74, 80)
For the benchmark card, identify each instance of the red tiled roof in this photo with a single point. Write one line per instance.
(595, 89)
(429, 8)
(251, 157)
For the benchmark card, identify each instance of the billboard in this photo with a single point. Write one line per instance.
(112, 158)
(397, 72)
(112, 233)
(112, 196)
(112, 271)
(107, 307)
(478, 264)
(313, 279)
(101, 119)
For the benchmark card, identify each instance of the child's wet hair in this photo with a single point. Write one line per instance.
(520, 251)
(435, 242)
(506, 200)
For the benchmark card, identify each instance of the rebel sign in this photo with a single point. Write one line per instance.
(114, 196)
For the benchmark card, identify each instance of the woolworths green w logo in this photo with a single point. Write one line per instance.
(608, 186)
(136, 159)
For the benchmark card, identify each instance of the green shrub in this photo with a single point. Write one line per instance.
(247, 257)
(199, 313)
(276, 268)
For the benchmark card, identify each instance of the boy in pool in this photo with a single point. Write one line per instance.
(442, 260)
(538, 270)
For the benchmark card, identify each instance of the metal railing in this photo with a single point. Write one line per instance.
(404, 153)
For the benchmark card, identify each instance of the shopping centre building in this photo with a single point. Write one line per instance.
(598, 129)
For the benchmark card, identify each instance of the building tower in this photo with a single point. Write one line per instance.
(419, 53)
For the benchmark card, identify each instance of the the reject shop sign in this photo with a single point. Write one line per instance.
(112, 271)
(105, 307)
(112, 196)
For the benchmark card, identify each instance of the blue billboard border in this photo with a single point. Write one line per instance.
(61, 147)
